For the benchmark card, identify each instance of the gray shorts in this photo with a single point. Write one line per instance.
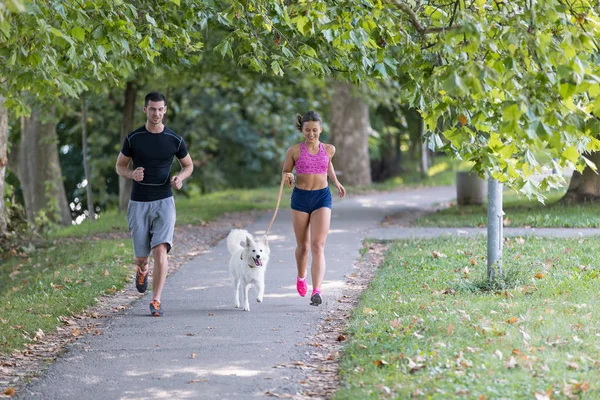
(151, 223)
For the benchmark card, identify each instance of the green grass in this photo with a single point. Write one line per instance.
(62, 280)
(425, 328)
(519, 212)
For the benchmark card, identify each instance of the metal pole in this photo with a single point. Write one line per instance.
(494, 230)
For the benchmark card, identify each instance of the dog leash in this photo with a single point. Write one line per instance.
(283, 177)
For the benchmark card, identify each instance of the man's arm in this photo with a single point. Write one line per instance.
(187, 167)
(123, 166)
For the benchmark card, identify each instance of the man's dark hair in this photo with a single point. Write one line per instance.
(154, 96)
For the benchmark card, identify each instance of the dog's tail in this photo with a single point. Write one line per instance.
(234, 239)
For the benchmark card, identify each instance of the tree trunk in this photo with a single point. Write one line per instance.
(86, 164)
(424, 149)
(39, 170)
(3, 164)
(349, 134)
(126, 129)
(584, 187)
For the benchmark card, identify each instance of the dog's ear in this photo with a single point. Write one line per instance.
(248, 241)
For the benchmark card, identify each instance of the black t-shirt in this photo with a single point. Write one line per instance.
(154, 152)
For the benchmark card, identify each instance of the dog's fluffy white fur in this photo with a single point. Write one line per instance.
(247, 264)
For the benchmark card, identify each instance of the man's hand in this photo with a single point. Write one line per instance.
(176, 182)
(138, 174)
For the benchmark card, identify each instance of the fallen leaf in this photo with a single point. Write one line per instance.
(512, 320)
(38, 335)
(105, 272)
(380, 363)
(394, 323)
(539, 275)
(9, 392)
(413, 366)
(572, 365)
(511, 363)
(279, 396)
(573, 389)
(341, 338)
(194, 355)
(541, 396)
(450, 329)
(437, 254)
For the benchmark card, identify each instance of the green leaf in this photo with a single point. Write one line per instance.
(455, 136)
(224, 48)
(454, 84)
(511, 113)
(597, 106)
(571, 154)
(276, 68)
(78, 33)
(380, 68)
(176, 2)
(150, 20)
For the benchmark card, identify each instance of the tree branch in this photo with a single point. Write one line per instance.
(423, 30)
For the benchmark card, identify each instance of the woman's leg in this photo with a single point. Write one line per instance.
(319, 228)
(300, 221)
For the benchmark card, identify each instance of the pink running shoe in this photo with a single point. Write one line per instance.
(301, 286)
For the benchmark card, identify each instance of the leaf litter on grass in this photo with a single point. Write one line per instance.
(511, 341)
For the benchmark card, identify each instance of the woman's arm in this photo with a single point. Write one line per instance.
(331, 171)
(288, 166)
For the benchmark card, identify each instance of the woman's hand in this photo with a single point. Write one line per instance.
(341, 189)
(289, 179)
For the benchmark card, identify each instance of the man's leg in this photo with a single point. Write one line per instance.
(163, 225)
(161, 266)
(141, 276)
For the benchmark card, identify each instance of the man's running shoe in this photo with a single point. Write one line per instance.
(315, 299)
(141, 280)
(155, 309)
(301, 286)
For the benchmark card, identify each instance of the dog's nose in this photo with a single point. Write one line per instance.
(258, 256)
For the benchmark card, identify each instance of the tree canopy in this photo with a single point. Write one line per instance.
(516, 83)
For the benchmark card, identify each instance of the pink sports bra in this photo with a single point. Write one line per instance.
(312, 164)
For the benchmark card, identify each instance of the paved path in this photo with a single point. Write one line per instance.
(140, 357)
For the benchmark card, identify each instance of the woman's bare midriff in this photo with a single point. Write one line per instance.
(311, 181)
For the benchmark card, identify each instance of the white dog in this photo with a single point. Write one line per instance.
(247, 264)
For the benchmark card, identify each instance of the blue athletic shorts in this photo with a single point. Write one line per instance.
(310, 200)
